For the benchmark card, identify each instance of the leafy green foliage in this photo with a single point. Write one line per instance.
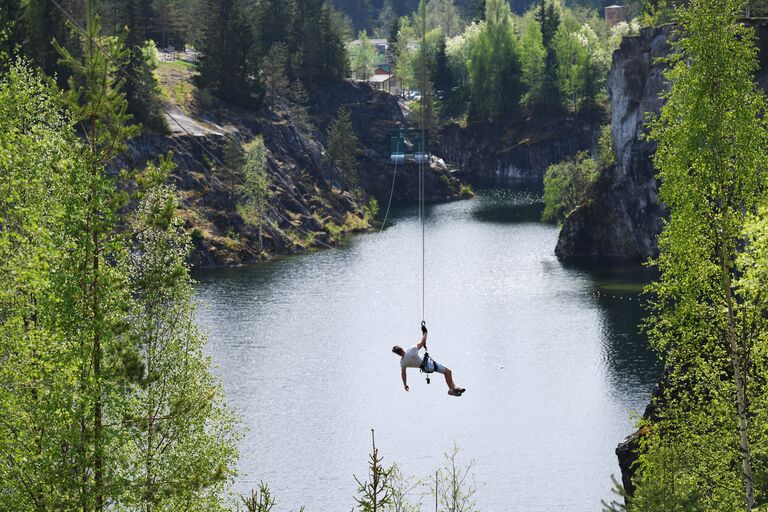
(40, 159)
(255, 187)
(405, 495)
(455, 486)
(550, 61)
(494, 67)
(106, 396)
(533, 55)
(705, 449)
(363, 57)
(606, 155)
(566, 185)
(582, 62)
(183, 436)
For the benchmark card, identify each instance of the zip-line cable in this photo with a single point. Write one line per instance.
(392, 189)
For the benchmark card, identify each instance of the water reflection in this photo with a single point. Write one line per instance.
(617, 289)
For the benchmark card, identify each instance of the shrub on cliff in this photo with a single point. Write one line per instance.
(566, 185)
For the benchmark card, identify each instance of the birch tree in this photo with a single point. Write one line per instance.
(701, 452)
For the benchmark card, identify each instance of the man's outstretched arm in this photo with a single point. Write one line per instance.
(405, 379)
(423, 342)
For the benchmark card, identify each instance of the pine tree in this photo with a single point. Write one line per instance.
(141, 88)
(228, 62)
(494, 67)
(273, 71)
(342, 146)
(479, 11)
(360, 11)
(323, 55)
(548, 17)
(375, 494)
(43, 23)
(274, 20)
(97, 103)
(442, 75)
(335, 66)
(298, 98)
(11, 33)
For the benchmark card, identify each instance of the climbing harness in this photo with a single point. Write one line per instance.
(428, 365)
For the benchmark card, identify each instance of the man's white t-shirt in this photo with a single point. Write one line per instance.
(411, 359)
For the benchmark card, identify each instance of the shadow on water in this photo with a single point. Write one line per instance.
(617, 289)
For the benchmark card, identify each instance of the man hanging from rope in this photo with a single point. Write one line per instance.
(411, 359)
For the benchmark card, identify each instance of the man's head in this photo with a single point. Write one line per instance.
(397, 349)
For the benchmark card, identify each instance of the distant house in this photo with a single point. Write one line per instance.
(381, 46)
(614, 14)
(383, 74)
(383, 82)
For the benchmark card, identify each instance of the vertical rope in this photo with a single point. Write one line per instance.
(422, 182)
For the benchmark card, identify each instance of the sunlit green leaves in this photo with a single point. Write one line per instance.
(700, 451)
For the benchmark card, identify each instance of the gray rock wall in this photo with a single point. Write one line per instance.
(522, 152)
(623, 217)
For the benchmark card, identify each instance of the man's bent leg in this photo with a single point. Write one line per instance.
(449, 379)
(448, 375)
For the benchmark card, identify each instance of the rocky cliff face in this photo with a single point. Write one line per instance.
(522, 152)
(312, 204)
(623, 217)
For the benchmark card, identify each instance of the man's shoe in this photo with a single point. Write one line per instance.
(454, 392)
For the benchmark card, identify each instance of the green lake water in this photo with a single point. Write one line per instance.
(549, 353)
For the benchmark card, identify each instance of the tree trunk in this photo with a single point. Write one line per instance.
(98, 409)
(737, 359)
(98, 405)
